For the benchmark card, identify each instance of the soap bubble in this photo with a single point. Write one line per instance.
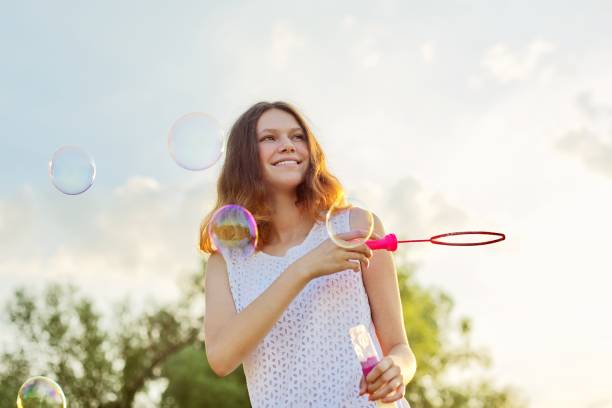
(40, 392)
(360, 218)
(72, 170)
(233, 227)
(195, 141)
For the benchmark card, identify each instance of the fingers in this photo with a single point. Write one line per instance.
(354, 242)
(358, 262)
(363, 387)
(349, 264)
(387, 389)
(362, 233)
(362, 254)
(355, 258)
(385, 378)
(359, 249)
(362, 249)
(397, 394)
(392, 396)
(354, 234)
(382, 366)
(375, 235)
(385, 381)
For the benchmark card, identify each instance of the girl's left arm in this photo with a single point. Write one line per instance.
(391, 375)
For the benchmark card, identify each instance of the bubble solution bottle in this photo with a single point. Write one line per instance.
(368, 357)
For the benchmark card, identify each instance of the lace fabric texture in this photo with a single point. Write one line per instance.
(306, 360)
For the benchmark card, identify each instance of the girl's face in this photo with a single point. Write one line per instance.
(283, 149)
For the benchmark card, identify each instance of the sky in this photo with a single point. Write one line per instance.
(441, 117)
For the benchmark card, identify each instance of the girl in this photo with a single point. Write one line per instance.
(285, 311)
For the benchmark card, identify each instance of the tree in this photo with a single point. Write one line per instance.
(60, 334)
(193, 384)
(430, 327)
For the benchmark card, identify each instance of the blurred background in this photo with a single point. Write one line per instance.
(440, 116)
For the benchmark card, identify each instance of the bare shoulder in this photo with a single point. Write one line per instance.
(216, 277)
(363, 219)
(216, 264)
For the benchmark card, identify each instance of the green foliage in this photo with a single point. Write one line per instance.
(61, 335)
(190, 375)
(441, 344)
(15, 370)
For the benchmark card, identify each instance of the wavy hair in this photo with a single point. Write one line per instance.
(241, 178)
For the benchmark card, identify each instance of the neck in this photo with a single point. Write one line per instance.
(289, 222)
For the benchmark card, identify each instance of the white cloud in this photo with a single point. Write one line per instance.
(507, 65)
(428, 52)
(592, 108)
(420, 214)
(475, 82)
(143, 235)
(410, 211)
(589, 149)
(347, 22)
(138, 185)
(603, 402)
(366, 45)
(499, 166)
(590, 141)
(285, 44)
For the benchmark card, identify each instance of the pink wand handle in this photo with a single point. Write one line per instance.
(389, 242)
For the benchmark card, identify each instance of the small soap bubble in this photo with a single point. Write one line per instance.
(233, 227)
(360, 218)
(195, 141)
(40, 392)
(72, 170)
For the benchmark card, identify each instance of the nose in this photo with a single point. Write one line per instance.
(287, 146)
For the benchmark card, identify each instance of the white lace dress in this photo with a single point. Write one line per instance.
(307, 359)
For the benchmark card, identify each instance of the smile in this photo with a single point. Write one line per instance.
(284, 163)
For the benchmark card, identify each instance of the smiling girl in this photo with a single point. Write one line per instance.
(285, 312)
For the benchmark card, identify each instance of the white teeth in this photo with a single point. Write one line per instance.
(287, 163)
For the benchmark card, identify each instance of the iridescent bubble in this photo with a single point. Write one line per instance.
(233, 227)
(195, 141)
(40, 392)
(361, 219)
(72, 170)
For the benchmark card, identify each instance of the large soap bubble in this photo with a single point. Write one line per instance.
(72, 170)
(195, 141)
(360, 217)
(40, 392)
(233, 227)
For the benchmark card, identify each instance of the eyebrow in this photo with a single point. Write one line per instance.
(275, 130)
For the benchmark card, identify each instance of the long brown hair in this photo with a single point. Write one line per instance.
(241, 182)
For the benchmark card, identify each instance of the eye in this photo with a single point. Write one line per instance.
(299, 136)
(266, 138)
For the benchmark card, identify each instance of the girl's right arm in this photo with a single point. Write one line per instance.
(231, 336)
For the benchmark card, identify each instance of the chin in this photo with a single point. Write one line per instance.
(289, 183)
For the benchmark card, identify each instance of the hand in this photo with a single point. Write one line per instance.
(385, 382)
(330, 258)
(373, 236)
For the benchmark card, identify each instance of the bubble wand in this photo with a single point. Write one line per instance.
(389, 241)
